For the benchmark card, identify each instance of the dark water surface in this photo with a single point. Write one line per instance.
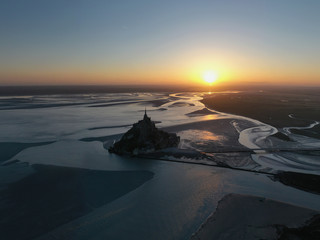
(53, 196)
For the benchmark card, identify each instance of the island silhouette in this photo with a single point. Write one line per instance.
(144, 137)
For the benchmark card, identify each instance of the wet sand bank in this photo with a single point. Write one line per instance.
(249, 217)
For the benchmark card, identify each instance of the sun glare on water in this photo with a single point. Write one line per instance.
(210, 76)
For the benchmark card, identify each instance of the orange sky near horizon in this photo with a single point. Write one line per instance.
(187, 74)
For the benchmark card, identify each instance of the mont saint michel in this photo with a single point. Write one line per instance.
(144, 137)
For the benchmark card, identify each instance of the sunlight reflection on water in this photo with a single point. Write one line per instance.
(199, 135)
(211, 117)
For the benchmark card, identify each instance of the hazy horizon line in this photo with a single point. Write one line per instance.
(11, 90)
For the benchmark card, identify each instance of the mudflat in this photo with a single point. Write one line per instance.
(274, 108)
(249, 217)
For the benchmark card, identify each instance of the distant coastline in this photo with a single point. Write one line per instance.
(22, 90)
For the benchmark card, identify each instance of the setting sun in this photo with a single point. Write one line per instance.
(210, 76)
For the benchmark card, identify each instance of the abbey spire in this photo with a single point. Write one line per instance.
(145, 117)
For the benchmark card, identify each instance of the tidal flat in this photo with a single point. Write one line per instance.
(279, 108)
(57, 175)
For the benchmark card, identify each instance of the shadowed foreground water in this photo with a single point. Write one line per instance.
(53, 196)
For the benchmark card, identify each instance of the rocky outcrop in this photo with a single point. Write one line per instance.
(144, 137)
